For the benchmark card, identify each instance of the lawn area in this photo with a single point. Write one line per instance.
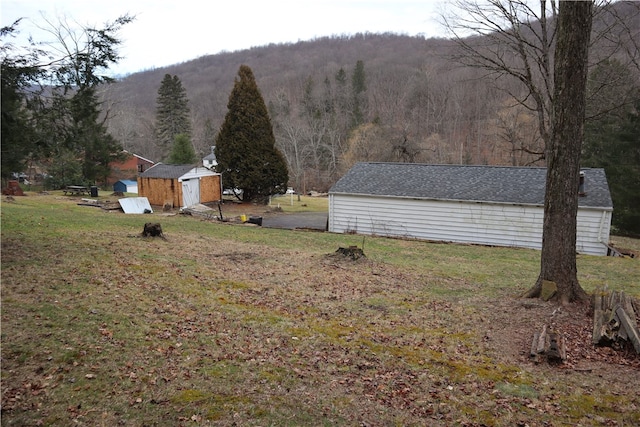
(227, 324)
(298, 203)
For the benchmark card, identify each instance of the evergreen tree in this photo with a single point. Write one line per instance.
(16, 74)
(342, 99)
(182, 152)
(341, 77)
(66, 123)
(612, 139)
(358, 87)
(66, 170)
(172, 113)
(89, 136)
(75, 105)
(613, 143)
(245, 146)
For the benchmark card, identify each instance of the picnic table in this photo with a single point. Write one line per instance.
(75, 190)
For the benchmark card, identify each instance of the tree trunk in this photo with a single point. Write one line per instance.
(558, 258)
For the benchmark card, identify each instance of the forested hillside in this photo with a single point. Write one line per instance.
(415, 106)
(341, 99)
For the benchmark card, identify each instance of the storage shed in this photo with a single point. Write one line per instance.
(126, 186)
(487, 205)
(179, 185)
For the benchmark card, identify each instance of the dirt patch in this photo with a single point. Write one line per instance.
(236, 256)
(523, 317)
(575, 322)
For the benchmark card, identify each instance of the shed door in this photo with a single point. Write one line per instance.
(190, 192)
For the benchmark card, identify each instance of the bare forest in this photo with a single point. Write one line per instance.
(337, 100)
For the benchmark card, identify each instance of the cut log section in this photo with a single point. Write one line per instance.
(548, 345)
(630, 327)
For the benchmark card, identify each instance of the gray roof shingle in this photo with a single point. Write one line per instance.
(498, 184)
(161, 170)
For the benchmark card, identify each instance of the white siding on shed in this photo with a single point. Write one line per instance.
(593, 230)
(197, 172)
(459, 221)
(131, 186)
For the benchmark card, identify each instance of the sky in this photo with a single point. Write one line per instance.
(167, 32)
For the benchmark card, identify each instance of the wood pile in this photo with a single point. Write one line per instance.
(548, 345)
(620, 252)
(103, 204)
(13, 189)
(614, 319)
(615, 324)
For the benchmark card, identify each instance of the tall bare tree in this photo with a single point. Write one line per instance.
(509, 39)
(547, 52)
(558, 259)
(514, 41)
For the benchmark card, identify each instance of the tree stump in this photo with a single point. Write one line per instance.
(152, 229)
(352, 252)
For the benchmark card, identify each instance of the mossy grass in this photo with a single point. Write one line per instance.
(222, 324)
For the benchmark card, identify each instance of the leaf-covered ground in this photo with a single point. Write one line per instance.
(226, 324)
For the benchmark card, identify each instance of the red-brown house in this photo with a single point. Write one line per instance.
(129, 168)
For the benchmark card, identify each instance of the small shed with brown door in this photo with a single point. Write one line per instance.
(179, 185)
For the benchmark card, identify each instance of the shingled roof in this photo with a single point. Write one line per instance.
(161, 170)
(495, 184)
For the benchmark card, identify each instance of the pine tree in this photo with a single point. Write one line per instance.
(245, 146)
(182, 152)
(613, 143)
(70, 119)
(97, 146)
(172, 112)
(17, 133)
(358, 87)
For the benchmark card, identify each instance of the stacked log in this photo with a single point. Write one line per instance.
(13, 189)
(614, 319)
(550, 345)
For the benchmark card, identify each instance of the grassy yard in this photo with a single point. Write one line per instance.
(227, 324)
(298, 203)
